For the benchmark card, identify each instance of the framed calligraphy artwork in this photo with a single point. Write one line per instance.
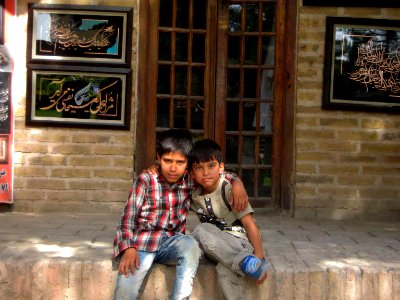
(362, 64)
(79, 33)
(3, 149)
(71, 96)
(5, 100)
(352, 3)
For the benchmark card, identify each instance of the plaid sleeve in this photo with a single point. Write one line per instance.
(126, 237)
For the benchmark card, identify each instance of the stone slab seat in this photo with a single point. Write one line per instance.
(51, 256)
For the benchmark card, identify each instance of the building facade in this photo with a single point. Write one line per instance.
(253, 80)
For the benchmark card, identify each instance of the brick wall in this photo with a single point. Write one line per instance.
(77, 170)
(347, 163)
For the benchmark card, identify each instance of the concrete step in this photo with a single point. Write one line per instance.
(60, 256)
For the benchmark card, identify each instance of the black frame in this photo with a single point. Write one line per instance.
(85, 34)
(361, 71)
(352, 3)
(73, 96)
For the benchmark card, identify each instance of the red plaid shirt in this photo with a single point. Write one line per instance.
(154, 209)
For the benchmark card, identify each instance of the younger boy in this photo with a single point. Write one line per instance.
(230, 239)
(152, 226)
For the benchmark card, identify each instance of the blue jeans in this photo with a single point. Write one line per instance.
(180, 250)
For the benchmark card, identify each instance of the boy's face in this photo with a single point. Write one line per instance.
(207, 174)
(173, 166)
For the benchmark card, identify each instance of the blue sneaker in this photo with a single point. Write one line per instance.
(253, 266)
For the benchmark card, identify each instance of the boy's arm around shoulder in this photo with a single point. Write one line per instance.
(253, 234)
(238, 198)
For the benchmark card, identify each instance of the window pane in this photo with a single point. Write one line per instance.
(268, 17)
(265, 155)
(234, 50)
(198, 81)
(250, 83)
(197, 114)
(248, 181)
(266, 117)
(231, 149)
(180, 113)
(181, 49)
(233, 83)
(199, 15)
(163, 79)
(235, 11)
(232, 116)
(198, 50)
(164, 50)
(249, 112)
(162, 112)
(268, 50)
(265, 183)
(267, 86)
(180, 80)
(251, 47)
(166, 16)
(252, 17)
(249, 143)
(182, 14)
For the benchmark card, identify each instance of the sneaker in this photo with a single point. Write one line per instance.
(253, 266)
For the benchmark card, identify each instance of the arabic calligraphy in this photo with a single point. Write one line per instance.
(378, 68)
(74, 35)
(84, 97)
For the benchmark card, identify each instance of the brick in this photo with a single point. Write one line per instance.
(338, 146)
(72, 149)
(86, 184)
(336, 283)
(71, 173)
(93, 160)
(339, 122)
(380, 147)
(113, 150)
(315, 156)
(306, 168)
(353, 284)
(29, 172)
(113, 173)
(317, 179)
(357, 135)
(47, 183)
(381, 169)
(339, 169)
(357, 180)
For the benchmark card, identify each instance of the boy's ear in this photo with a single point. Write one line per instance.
(221, 168)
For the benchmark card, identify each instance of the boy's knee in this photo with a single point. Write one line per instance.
(191, 247)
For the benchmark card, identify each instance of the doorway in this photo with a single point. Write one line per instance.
(217, 68)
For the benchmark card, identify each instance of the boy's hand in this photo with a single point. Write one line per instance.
(239, 197)
(129, 261)
(153, 170)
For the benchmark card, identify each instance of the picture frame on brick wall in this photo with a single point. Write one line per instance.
(83, 34)
(352, 3)
(71, 96)
(362, 64)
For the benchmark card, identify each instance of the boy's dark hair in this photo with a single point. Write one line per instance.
(205, 150)
(175, 140)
